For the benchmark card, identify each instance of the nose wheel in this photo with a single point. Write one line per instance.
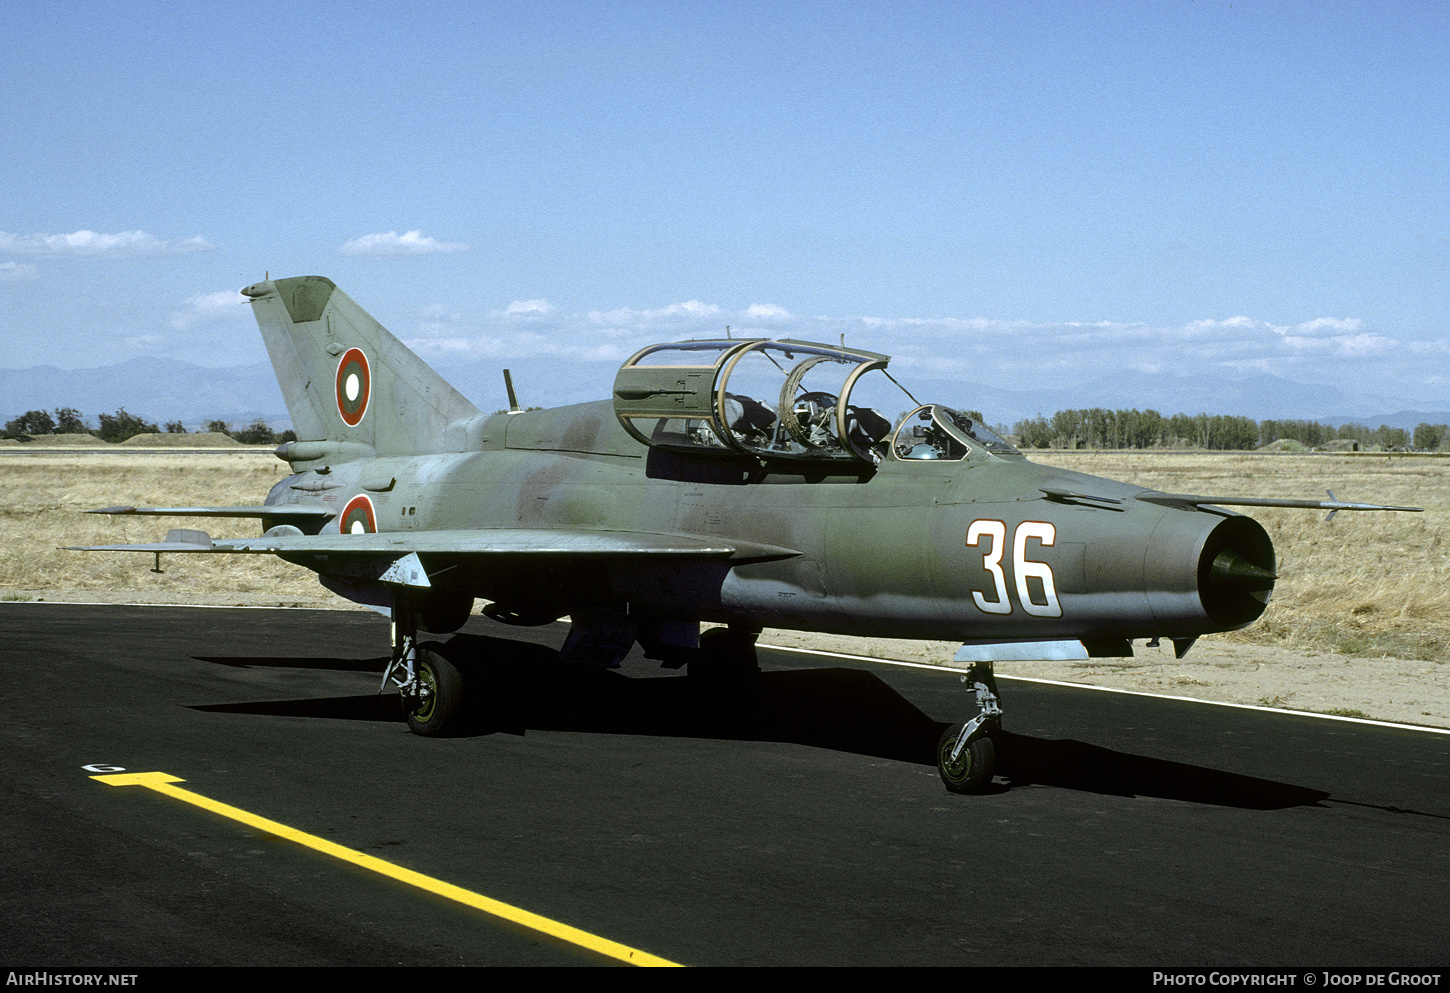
(965, 767)
(965, 755)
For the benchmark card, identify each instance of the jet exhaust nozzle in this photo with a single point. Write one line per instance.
(1236, 572)
(1231, 571)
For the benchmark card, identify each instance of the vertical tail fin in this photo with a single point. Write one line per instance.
(344, 377)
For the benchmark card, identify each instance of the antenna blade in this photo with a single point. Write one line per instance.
(508, 382)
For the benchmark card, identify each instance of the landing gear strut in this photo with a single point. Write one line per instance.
(965, 755)
(431, 686)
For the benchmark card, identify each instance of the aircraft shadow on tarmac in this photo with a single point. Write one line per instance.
(517, 686)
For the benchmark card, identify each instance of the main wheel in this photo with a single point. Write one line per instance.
(971, 770)
(437, 710)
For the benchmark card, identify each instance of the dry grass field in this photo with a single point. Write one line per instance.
(1368, 587)
(43, 499)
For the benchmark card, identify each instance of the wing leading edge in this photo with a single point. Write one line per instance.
(1334, 505)
(286, 513)
(482, 542)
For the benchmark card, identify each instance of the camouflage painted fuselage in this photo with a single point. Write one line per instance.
(989, 547)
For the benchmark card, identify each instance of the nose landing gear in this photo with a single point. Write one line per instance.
(965, 754)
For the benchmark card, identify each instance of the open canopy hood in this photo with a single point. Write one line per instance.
(786, 400)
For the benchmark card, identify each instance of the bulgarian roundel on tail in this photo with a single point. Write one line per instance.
(384, 400)
(354, 386)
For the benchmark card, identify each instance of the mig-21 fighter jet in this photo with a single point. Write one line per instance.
(745, 483)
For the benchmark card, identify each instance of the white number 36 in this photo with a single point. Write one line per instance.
(1023, 568)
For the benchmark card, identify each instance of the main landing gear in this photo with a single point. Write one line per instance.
(431, 686)
(965, 754)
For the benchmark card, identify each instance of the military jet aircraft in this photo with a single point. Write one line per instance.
(750, 483)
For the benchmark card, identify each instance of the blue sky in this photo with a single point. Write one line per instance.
(1023, 193)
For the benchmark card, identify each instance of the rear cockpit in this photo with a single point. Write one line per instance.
(789, 401)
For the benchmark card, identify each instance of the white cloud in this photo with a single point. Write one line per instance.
(148, 342)
(672, 315)
(536, 328)
(1212, 330)
(209, 329)
(407, 243)
(766, 312)
(93, 244)
(221, 307)
(14, 272)
(1330, 326)
(1066, 357)
(1438, 347)
(1345, 345)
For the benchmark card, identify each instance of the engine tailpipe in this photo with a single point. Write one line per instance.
(1236, 572)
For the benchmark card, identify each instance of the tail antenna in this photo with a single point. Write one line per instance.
(508, 382)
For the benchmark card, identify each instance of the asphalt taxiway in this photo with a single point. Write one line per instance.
(799, 821)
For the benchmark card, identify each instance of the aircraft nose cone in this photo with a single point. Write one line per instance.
(1232, 573)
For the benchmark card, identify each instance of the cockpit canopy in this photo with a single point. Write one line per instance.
(786, 400)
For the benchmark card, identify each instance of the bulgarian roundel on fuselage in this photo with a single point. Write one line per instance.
(358, 517)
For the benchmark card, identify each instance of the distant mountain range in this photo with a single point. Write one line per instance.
(159, 390)
(164, 390)
(1258, 397)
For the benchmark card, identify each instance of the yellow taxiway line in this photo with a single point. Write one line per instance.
(163, 783)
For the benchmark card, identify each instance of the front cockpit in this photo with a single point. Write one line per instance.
(787, 401)
(937, 432)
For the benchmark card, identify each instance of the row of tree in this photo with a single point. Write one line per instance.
(1093, 428)
(1102, 428)
(123, 424)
